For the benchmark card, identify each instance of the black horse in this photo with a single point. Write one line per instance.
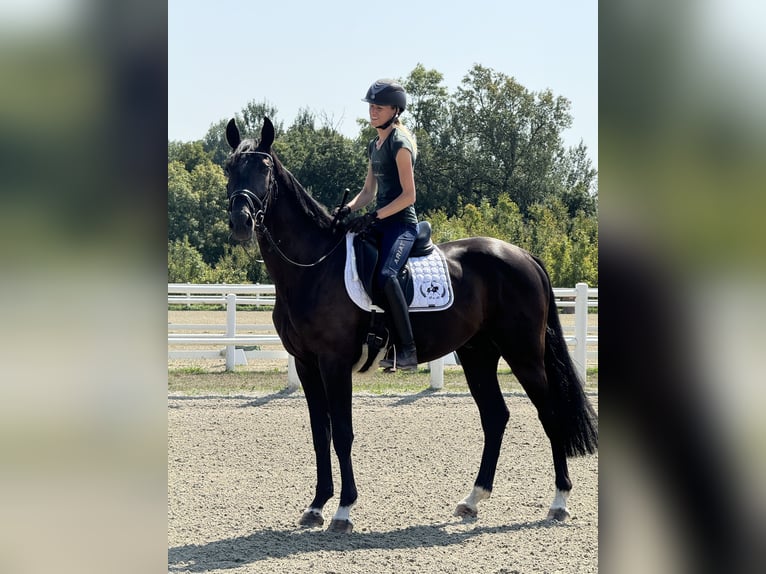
(503, 307)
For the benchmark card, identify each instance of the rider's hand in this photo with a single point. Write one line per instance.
(341, 212)
(363, 222)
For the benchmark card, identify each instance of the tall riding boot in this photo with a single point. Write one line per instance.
(405, 357)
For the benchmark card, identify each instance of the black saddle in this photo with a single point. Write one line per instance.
(366, 251)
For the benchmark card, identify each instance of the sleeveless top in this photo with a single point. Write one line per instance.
(387, 175)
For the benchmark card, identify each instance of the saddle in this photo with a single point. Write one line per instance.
(360, 271)
(366, 252)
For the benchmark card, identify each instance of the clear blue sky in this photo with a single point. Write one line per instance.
(323, 55)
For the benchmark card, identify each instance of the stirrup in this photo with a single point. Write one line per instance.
(391, 366)
(386, 362)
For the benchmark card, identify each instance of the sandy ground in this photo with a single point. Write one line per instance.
(241, 471)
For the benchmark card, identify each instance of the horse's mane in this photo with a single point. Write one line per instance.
(308, 205)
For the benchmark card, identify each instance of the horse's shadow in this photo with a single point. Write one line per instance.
(250, 401)
(241, 550)
(266, 399)
(410, 399)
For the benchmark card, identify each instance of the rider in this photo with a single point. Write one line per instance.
(390, 180)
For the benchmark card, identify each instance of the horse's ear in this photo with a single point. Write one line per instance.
(232, 134)
(267, 134)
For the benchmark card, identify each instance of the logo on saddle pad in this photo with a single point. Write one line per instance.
(427, 287)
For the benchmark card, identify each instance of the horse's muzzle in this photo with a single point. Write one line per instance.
(242, 225)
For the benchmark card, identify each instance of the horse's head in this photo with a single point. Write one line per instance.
(251, 183)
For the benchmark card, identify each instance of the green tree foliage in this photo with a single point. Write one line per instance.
(190, 154)
(577, 182)
(567, 246)
(491, 161)
(197, 208)
(185, 264)
(239, 264)
(428, 118)
(322, 159)
(504, 138)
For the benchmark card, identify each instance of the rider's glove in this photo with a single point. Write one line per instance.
(363, 222)
(341, 212)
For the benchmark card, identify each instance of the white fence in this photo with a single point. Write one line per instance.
(581, 298)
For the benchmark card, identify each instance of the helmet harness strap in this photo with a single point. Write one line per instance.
(389, 122)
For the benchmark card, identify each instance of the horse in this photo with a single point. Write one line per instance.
(503, 307)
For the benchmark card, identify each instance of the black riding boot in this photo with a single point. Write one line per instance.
(405, 357)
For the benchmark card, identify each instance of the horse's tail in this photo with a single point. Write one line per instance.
(573, 411)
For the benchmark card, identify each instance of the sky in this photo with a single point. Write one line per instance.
(323, 56)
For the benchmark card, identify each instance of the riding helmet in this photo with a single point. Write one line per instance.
(387, 92)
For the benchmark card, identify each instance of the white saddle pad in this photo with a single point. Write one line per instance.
(430, 276)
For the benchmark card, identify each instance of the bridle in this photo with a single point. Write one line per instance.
(251, 198)
(259, 215)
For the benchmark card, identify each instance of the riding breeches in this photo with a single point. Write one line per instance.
(395, 241)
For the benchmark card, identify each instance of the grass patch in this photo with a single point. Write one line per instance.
(190, 371)
(201, 381)
(198, 381)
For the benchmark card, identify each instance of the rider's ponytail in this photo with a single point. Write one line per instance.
(410, 136)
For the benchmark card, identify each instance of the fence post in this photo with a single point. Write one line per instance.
(231, 329)
(581, 329)
(293, 381)
(437, 373)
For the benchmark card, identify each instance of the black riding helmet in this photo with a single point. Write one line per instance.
(387, 92)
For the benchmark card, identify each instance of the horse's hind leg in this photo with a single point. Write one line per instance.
(527, 364)
(479, 359)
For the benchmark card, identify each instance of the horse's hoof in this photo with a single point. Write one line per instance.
(560, 514)
(310, 519)
(465, 511)
(342, 526)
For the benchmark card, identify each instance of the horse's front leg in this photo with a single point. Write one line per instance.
(319, 416)
(336, 374)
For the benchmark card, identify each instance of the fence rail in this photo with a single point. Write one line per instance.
(581, 298)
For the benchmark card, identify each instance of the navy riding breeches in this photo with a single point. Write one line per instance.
(395, 241)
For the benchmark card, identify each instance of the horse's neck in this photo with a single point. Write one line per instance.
(298, 238)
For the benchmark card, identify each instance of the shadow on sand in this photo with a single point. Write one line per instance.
(236, 552)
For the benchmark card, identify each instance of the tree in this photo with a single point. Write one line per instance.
(578, 182)
(322, 159)
(427, 101)
(237, 265)
(209, 184)
(428, 118)
(190, 154)
(182, 204)
(197, 208)
(185, 264)
(504, 138)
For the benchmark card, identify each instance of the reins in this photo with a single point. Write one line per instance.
(285, 258)
(259, 215)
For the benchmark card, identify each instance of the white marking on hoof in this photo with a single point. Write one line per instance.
(311, 517)
(558, 510)
(341, 521)
(343, 512)
(469, 506)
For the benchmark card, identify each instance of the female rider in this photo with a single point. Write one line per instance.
(393, 224)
